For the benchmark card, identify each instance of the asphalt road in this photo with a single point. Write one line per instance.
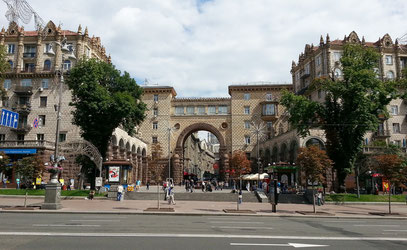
(109, 231)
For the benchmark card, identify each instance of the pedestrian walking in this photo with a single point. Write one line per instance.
(148, 185)
(240, 196)
(203, 186)
(5, 182)
(119, 192)
(171, 196)
(319, 198)
(192, 186)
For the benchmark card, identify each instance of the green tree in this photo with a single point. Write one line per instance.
(29, 168)
(5, 165)
(104, 99)
(351, 108)
(314, 163)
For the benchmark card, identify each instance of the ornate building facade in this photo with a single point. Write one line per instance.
(32, 86)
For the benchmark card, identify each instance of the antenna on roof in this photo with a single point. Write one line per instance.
(21, 10)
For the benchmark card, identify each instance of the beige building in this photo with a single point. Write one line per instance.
(32, 87)
(229, 119)
(324, 60)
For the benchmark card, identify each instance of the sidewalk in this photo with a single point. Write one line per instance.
(206, 208)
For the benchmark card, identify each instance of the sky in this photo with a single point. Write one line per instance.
(200, 47)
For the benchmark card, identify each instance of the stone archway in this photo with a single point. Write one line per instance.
(177, 170)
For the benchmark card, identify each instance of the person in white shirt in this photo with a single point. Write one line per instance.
(119, 192)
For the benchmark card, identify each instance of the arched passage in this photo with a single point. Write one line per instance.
(177, 168)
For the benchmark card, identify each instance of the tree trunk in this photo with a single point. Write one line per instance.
(357, 182)
(313, 198)
(390, 188)
(25, 199)
(158, 195)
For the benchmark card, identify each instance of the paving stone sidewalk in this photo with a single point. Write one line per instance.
(208, 208)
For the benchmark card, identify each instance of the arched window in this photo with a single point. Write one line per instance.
(390, 75)
(317, 142)
(11, 63)
(47, 65)
(67, 65)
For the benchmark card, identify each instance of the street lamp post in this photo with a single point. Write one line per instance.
(258, 129)
(169, 152)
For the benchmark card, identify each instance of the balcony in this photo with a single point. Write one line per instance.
(382, 134)
(29, 55)
(23, 90)
(22, 128)
(378, 150)
(304, 74)
(269, 111)
(22, 108)
(27, 144)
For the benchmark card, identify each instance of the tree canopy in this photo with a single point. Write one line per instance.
(314, 162)
(239, 164)
(29, 168)
(104, 99)
(351, 107)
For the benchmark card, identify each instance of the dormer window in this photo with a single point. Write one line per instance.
(11, 48)
(269, 97)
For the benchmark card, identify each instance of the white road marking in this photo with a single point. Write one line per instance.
(63, 225)
(295, 245)
(97, 220)
(234, 222)
(227, 227)
(376, 225)
(395, 230)
(230, 236)
(342, 221)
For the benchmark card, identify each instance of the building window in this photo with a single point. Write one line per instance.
(62, 137)
(318, 60)
(41, 120)
(29, 67)
(201, 110)
(394, 109)
(2, 137)
(29, 51)
(307, 69)
(45, 83)
(43, 101)
(246, 96)
(389, 60)
(390, 75)
(269, 109)
(247, 124)
(7, 84)
(269, 97)
(155, 98)
(154, 139)
(5, 101)
(40, 138)
(48, 48)
(396, 128)
(155, 125)
(47, 65)
(319, 93)
(26, 83)
(297, 75)
(247, 110)
(190, 110)
(212, 110)
(397, 143)
(11, 48)
(269, 125)
(319, 74)
(222, 110)
(67, 65)
(247, 139)
(337, 56)
(179, 110)
(155, 112)
(20, 139)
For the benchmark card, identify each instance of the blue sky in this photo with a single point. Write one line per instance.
(200, 47)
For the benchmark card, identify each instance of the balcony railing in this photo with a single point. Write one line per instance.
(28, 70)
(23, 90)
(29, 55)
(22, 108)
(304, 74)
(382, 133)
(28, 144)
(376, 150)
(22, 128)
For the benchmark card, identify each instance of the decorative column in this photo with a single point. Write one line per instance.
(134, 165)
(145, 167)
(177, 169)
(115, 152)
(140, 167)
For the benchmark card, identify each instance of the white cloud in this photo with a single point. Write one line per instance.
(202, 47)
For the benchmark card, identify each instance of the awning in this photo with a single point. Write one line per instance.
(255, 177)
(281, 168)
(116, 163)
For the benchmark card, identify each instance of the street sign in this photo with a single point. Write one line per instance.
(9, 118)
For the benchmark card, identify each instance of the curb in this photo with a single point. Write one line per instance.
(43, 197)
(363, 203)
(200, 214)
